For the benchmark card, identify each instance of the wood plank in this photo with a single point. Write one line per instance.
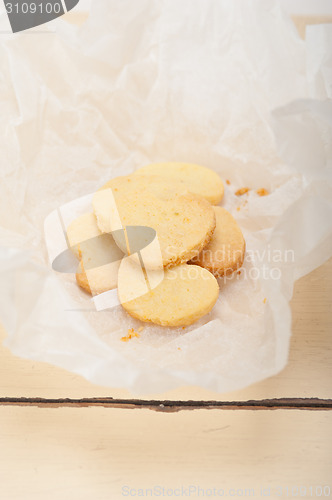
(77, 453)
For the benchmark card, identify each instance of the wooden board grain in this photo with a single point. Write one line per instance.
(87, 453)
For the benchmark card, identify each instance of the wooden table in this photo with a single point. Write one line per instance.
(64, 438)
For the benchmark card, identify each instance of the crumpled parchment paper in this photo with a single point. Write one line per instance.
(229, 85)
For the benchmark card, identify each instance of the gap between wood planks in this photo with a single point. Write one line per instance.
(174, 406)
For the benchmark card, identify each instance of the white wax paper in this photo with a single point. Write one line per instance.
(155, 80)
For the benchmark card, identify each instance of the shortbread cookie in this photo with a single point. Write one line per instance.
(185, 294)
(99, 255)
(184, 222)
(83, 229)
(98, 280)
(199, 180)
(225, 252)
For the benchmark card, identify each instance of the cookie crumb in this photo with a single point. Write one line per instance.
(241, 191)
(141, 328)
(239, 272)
(179, 348)
(183, 327)
(262, 192)
(238, 208)
(264, 301)
(228, 182)
(131, 334)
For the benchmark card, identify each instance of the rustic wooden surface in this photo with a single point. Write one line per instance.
(93, 453)
(75, 444)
